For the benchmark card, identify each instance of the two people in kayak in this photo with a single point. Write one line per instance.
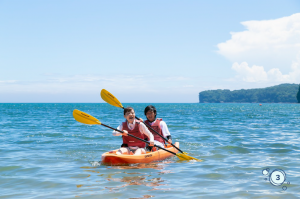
(135, 127)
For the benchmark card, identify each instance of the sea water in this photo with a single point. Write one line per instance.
(245, 148)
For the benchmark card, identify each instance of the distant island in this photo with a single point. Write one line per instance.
(283, 93)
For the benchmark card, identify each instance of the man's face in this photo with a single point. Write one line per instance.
(150, 116)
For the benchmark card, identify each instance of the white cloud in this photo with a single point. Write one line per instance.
(86, 88)
(250, 74)
(258, 73)
(271, 44)
(128, 84)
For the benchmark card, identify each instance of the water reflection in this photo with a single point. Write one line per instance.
(139, 180)
(156, 166)
(115, 178)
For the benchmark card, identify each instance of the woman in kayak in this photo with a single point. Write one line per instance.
(158, 125)
(135, 128)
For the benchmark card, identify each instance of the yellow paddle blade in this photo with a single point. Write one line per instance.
(84, 117)
(109, 98)
(183, 156)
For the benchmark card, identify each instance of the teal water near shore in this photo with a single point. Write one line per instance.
(45, 153)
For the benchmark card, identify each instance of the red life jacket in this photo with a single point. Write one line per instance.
(130, 141)
(156, 126)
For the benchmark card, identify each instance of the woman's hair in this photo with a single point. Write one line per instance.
(150, 108)
(128, 109)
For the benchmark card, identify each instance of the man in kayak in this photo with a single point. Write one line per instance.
(158, 125)
(135, 128)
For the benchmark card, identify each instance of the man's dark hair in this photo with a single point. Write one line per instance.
(150, 108)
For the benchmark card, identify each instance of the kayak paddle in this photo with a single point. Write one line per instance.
(88, 119)
(112, 100)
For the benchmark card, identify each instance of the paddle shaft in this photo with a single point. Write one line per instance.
(159, 134)
(138, 138)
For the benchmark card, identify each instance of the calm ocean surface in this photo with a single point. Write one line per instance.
(45, 153)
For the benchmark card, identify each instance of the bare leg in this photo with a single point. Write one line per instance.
(140, 151)
(123, 150)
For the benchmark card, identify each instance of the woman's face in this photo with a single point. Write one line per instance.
(150, 115)
(129, 116)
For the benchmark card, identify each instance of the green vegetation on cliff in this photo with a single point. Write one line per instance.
(283, 93)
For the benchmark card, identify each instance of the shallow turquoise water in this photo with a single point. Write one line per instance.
(45, 153)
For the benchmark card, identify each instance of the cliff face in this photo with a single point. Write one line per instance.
(283, 93)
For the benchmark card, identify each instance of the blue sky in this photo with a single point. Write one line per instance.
(144, 51)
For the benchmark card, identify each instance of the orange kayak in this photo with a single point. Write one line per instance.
(111, 158)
